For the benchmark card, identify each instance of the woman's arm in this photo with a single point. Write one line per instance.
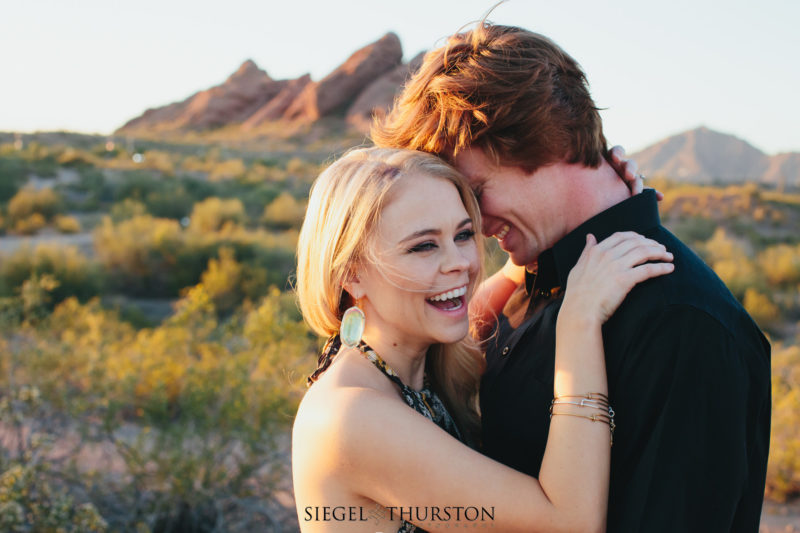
(384, 451)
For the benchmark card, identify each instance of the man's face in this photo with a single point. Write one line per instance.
(525, 212)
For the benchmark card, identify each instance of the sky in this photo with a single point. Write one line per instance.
(657, 68)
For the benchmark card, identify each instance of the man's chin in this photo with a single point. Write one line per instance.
(521, 259)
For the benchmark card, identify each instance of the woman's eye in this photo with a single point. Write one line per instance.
(465, 235)
(423, 247)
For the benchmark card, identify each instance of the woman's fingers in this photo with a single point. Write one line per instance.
(620, 243)
(649, 270)
(644, 253)
(628, 169)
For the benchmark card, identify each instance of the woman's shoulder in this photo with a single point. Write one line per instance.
(351, 395)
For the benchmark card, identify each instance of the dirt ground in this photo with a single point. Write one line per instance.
(780, 518)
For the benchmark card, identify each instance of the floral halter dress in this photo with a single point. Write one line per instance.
(424, 401)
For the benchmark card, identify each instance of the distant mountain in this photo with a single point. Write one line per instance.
(702, 155)
(364, 84)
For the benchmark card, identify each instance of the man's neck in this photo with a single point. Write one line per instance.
(593, 190)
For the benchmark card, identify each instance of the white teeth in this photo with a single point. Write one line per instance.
(503, 232)
(449, 295)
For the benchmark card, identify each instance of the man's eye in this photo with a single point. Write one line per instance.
(478, 192)
(423, 247)
(465, 235)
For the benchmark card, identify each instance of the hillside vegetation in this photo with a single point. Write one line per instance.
(149, 377)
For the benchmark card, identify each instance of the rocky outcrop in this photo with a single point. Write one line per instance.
(339, 88)
(378, 97)
(244, 92)
(276, 107)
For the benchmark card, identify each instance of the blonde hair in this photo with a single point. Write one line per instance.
(344, 207)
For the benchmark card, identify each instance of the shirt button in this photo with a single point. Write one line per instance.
(505, 350)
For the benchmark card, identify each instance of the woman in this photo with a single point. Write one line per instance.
(392, 233)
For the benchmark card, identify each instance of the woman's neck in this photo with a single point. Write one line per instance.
(405, 358)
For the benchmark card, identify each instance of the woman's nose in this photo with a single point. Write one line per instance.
(456, 259)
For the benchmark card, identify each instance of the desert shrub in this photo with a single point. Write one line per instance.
(159, 161)
(72, 157)
(137, 185)
(693, 229)
(781, 264)
(222, 281)
(284, 212)
(146, 256)
(213, 213)
(259, 172)
(139, 254)
(229, 169)
(13, 174)
(302, 170)
(30, 225)
(729, 259)
(783, 472)
(40, 159)
(173, 203)
(27, 202)
(67, 224)
(761, 308)
(259, 196)
(94, 183)
(163, 197)
(74, 273)
(127, 208)
(197, 412)
(31, 498)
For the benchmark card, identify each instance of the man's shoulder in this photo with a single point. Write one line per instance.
(693, 287)
(691, 296)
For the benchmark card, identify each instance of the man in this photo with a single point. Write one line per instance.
(688, 370)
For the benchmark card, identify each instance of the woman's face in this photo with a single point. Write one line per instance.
(426, 263)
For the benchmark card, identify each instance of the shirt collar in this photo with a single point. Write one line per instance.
(638, 213)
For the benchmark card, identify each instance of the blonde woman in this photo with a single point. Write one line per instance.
(385, 438)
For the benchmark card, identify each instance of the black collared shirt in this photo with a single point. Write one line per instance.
(689, 379)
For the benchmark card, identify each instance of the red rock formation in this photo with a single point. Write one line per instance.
(274, 108)
(379, 96)
(244, 92)
(343, 85)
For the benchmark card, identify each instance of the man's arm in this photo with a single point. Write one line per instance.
(693, 428)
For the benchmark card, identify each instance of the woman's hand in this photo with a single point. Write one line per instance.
(606, 272)
(627, 170)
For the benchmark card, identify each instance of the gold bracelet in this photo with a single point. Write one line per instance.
(593, 404)
(589, 396)
(592, 400)
(594, 418)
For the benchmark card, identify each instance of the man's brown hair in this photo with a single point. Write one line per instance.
(509, 91)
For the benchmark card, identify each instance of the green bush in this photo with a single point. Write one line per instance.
(196, 412)
(213, 213)
(783, 473)
(27, 202)
(74, 273)
(284, 212)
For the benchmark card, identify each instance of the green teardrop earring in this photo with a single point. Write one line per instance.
(352, 326)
